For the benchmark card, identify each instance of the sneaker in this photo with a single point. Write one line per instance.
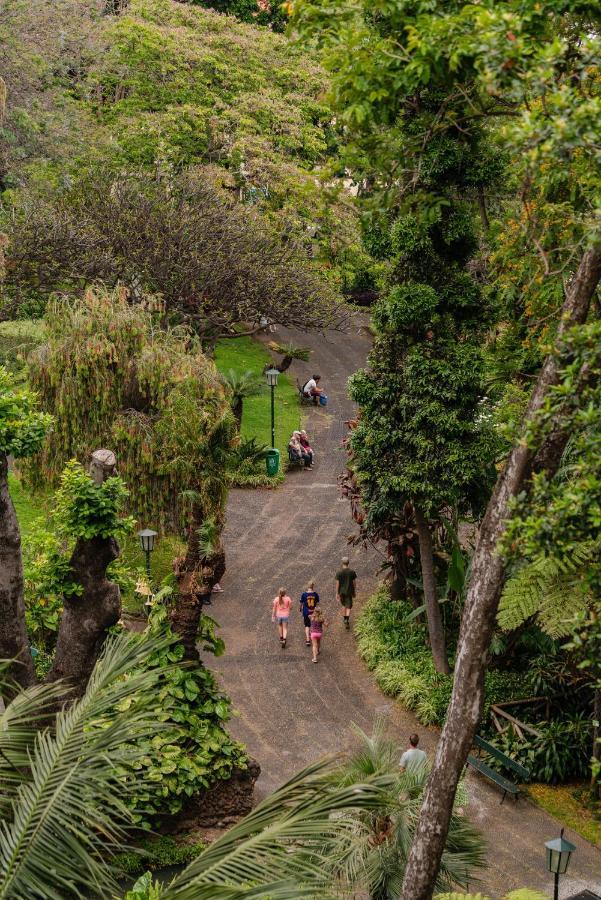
(283, 643)
(347, 624)
(217, 589)
(314, 660)
(307, 643)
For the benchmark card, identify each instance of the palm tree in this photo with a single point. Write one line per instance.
(379, 861)
(334, 829)
(241, 385)
(62, 816)
(63, 777)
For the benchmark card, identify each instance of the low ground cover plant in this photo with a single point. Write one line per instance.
(395, 649)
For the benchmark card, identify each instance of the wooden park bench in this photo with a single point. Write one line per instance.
(304, 398)
(507, 786)
(294, 460)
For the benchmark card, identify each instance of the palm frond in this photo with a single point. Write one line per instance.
(283, 842)
(67, 815)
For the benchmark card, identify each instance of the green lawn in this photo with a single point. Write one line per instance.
(559, 801)
(243, 354)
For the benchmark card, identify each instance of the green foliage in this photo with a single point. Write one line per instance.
(395, 649)
(113, 379)
(192, 749)
(561, 753)
(17, 339)
(88, 510)
(48, 579)
(62, 808)
(384, 856)
(22, 427)
(552, 589)
(270, 14)
(157, 853)
(167, 87)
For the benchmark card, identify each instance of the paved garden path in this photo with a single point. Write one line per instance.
(292, 712)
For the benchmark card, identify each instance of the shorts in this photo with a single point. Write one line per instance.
(347, 602)
(282, 619)
(316, 635)
(307, 621)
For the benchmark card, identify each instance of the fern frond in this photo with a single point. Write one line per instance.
(554, 590)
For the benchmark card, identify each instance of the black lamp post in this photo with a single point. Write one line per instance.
(147, 539)
(272, 380)
(559, 852)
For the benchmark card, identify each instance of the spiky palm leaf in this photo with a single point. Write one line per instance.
(242, 384)
(281, 849)
(66, 816)
(377, 856)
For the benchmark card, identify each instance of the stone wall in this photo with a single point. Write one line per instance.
(220, 805)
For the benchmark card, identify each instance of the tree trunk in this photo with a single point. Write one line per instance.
(196, 577)
(237, 407)
(435, 626)
(14, 644)
(482, 207)
(596, 776)
(479, 617)
(85, 619)
(398, 583)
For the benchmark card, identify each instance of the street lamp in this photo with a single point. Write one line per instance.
(147, 539)
(272, 380)
(559, 852)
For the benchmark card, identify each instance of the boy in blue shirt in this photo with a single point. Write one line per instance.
(308, 602)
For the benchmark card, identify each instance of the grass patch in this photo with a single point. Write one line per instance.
(241, 355)
(560, 801)
(30, 508)
(157, 853)
(17, 340)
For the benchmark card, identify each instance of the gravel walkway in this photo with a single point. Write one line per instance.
(292, 712)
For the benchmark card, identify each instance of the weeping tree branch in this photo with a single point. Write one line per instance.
(479, 615)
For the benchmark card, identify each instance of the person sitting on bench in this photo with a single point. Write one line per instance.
(296, 452)
(311, 388)
(304, 442)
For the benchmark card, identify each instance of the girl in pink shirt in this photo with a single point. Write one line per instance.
(281, 613)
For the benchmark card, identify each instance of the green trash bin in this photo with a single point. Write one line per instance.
(272, 462)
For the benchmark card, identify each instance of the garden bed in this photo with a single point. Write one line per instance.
(395, 650)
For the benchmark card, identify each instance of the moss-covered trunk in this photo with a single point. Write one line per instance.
(14, 644)
(196, 573)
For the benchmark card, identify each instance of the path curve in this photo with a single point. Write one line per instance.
(292, 712)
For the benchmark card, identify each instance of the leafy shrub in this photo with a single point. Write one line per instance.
(48, 579)
(192, 750)
(157, 853)
(561, 753)
(396, 650)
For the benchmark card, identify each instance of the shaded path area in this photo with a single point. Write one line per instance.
(292, 712)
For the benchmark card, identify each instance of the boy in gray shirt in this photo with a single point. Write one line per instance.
(413, 757)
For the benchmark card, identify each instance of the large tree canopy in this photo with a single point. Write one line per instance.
(214, 263)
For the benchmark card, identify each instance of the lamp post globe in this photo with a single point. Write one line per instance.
(147, 540)
(272, 379)
(559, 853)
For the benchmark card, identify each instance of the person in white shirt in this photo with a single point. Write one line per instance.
(413, 757)
(312, 389)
